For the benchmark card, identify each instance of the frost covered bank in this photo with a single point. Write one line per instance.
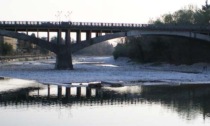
(89, 69)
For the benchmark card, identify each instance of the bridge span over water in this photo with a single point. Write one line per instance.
(102, 31)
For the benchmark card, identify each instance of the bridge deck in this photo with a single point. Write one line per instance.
(94, 26)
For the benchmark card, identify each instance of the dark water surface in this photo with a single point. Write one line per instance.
(27, 103)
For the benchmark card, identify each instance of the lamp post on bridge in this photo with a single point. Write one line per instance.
(58, 16)
(68, 16)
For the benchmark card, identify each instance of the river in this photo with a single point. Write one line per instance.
(27, 101)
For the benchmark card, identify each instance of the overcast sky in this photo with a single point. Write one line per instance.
(121, 11)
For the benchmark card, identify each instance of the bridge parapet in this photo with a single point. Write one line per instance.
(99, 26)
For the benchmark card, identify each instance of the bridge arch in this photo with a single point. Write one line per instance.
(20, 36)
(78, 46)
(62, 51)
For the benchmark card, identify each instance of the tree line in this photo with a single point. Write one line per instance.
(175, 50)
(188, 15)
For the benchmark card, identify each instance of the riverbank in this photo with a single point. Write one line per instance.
(6, 59)
(96, 69)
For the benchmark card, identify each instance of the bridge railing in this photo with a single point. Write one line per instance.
(54, 23)
(100, 24)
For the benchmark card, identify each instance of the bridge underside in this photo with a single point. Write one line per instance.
(137, 33)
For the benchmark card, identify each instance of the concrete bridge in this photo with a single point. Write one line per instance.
(63, 50)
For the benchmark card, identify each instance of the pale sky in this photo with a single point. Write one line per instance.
(116, 11)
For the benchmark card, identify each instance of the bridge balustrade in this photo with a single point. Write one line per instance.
(74, 23)
(39, 22)
(77, 23)
(56, 23)
(94, 24)
(19, 22)
(118, 24)
(183, 27)
(6, 22)
(88, 23)
(85, 24)
(30, 23)
(106, 24)
(126, 25)
(97, 24)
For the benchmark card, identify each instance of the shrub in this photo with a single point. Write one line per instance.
(6, 49)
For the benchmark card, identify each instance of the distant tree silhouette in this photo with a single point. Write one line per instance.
(188, 15)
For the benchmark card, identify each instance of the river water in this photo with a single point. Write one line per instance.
(28, 103)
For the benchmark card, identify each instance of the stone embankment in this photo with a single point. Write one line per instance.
(5, 59)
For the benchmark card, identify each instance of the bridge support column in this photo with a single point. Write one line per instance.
(26, 31)
(37, 33)
(78, 36)
(88, 35)
(64, 57)
(59, 37)
(98, 34)
(48, 35)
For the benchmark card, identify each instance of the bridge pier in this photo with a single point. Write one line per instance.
(78, 36)
(64, 57)
(98, 34)
(88, 35)
(48, 35)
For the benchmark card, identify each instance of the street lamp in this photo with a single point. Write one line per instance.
(58, 16)
(68, 16)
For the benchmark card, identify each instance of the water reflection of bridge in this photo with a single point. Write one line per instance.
(185, 100)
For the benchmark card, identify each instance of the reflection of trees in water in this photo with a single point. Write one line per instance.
(187, 101)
